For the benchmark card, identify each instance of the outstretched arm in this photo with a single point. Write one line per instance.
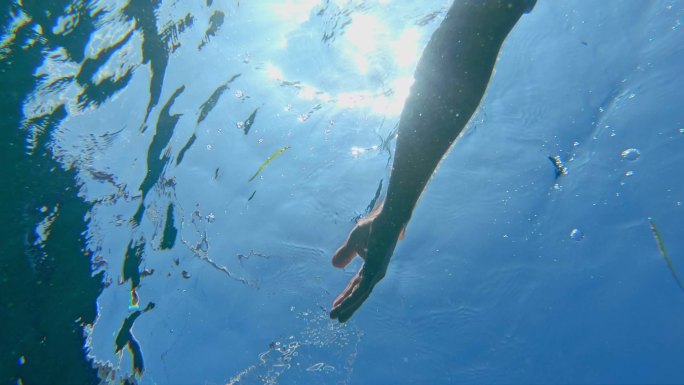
(450, 80)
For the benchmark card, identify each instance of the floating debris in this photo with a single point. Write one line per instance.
(558, 164)
(661, 247)
(185, 274)
(251, 196)
(268, 160)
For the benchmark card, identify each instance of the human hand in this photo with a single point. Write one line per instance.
(373, 240)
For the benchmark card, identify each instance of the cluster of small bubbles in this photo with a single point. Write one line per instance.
(210, 147)
(211, 217)
(630, 154)
(607, 127)
(303, 117)
(681, 130)
(240, 125)
(576, 235)
(629, 173)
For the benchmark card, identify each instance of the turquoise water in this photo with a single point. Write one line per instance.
(145, 242)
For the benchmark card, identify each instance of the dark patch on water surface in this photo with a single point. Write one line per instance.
(207, 106)
(153, 47)
(170, 231)
(215, 22)
(95, 94)
(157, 159)
(90, 66)
(169, 35)
(131, 264)
(247, 125)
(210, 103)
(42, 308)
(126, 339)
(185, 148)
(39, 125)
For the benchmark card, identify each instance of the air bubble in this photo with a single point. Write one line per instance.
(631, 154)
(576, 235)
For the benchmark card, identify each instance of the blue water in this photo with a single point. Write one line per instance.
(157, 115)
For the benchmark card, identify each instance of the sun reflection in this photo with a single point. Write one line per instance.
(405, 48)
(308, 92)
(297, 11)
(273, 72)
(363, 36)
(376, 48)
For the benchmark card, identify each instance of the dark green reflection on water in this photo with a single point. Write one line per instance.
(46, 288)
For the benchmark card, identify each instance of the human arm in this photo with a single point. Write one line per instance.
(450, 80)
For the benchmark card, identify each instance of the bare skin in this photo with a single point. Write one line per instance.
(450, 80)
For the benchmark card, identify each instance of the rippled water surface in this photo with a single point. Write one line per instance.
(177, 175)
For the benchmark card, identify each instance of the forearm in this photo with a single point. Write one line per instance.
(450, 80)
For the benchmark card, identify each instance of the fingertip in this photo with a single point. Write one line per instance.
(344, 318)
(342, 257)
(336, 314)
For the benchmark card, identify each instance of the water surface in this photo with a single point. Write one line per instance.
(141, 226)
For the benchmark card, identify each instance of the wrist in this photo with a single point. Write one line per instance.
(392, 218)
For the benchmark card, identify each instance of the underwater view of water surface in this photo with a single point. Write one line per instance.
(176, 176)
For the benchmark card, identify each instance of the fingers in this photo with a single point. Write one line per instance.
(348, 290)
(351, 299)
(349, 302)
(343, 255)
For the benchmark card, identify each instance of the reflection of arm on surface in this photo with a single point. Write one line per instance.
(450, 80)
